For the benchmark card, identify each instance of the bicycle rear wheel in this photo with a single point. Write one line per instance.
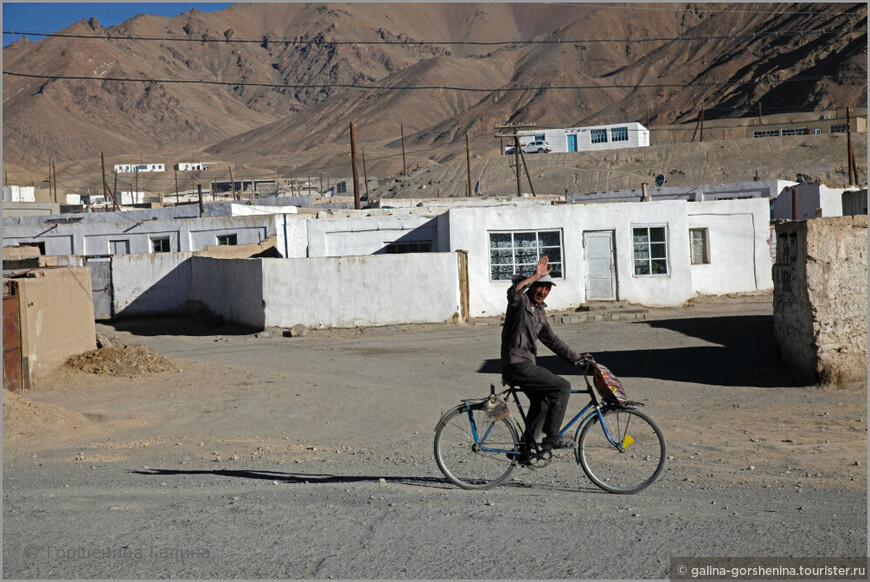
(631, 466)
(469, 462)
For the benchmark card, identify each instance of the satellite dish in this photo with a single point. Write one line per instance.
(660, 180)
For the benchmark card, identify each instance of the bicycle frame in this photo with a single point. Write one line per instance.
(585, 414)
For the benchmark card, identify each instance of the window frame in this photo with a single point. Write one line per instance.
(401, 248)
(112, 243)
(623, 133)
(788, 131)
(649, 248)
(161, 240)
(766, 133)
(526, 268)
(230, 236)
(599, 133)
(705, 251)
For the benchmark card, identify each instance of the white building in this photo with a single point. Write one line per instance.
(818, 200)
(129, 197)
(72, 236)
(127, 168)
(190, 166)
(19, 194)
(591, 138)
(652, 253)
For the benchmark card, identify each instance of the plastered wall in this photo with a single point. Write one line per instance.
(820, 298)
(57, 317)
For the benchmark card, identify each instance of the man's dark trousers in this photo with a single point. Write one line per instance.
(548, 396)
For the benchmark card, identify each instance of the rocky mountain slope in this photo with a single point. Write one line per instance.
(284, 79)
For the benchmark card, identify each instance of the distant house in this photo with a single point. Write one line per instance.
(128, 168)
(825, 124)
(591, 138)
(818, 200)
(190, 166)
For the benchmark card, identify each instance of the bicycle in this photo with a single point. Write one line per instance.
(476, 449)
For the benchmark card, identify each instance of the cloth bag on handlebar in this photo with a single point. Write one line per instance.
(607, 385)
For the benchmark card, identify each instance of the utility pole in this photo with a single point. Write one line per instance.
(115, 187)
(199, 190)
(853, 169)
(177, 197)
(366, 177)
(105, 185)
(528, 175)
(701, 138)
(232, 183)
(321, 183)
(404, 163)
(468, 161)
(759, 113)
(356, 201)
(512, 130)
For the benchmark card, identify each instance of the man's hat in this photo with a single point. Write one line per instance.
(545, 280)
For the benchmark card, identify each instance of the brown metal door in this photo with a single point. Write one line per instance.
(11, 342)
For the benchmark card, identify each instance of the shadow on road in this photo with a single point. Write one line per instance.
(178, 325)
(309, 478)
(745, 355)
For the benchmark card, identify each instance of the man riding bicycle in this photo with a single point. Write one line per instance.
(526, 322)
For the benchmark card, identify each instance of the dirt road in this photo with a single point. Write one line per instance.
(311, 457)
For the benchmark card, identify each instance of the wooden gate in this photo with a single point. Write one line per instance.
(12, 378)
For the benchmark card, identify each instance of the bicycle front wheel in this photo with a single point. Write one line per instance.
(634, 462)
(471, 450)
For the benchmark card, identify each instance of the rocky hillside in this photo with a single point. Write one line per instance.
(284, 79)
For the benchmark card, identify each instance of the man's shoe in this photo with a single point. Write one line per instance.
(558, 442)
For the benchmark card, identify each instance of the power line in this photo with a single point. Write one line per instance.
(429, 87)
(627, 6)
(322, 41)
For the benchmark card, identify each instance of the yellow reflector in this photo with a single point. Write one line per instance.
(626, 442)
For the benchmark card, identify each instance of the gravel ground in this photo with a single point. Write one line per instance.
(311, 457)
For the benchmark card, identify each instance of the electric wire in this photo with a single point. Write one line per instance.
(319, 40)
(797, 79)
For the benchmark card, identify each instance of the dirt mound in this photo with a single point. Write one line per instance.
(128, 361)
(22, 416)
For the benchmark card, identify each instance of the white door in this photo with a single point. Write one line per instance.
(600, 265)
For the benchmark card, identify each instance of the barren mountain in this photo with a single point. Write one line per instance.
(259, 80)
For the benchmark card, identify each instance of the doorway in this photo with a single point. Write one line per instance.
(572, 143)
(600, 251)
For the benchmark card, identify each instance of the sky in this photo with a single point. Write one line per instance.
(54, 16)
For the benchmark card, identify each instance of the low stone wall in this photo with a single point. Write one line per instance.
(820, 298)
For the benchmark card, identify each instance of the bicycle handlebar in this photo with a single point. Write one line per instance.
(585, 360)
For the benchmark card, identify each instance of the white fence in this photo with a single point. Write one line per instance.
(330, 291)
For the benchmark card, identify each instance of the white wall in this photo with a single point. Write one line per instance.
(738, 247)
(150, 283)
(292, 239)
(19, 193)
(329, 291)
(361, 290)
(810, 197)
(80, 238)
(335, 237)
(469, 230)
(231, 288)
(233, 209)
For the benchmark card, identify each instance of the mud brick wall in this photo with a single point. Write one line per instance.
(820, 298)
